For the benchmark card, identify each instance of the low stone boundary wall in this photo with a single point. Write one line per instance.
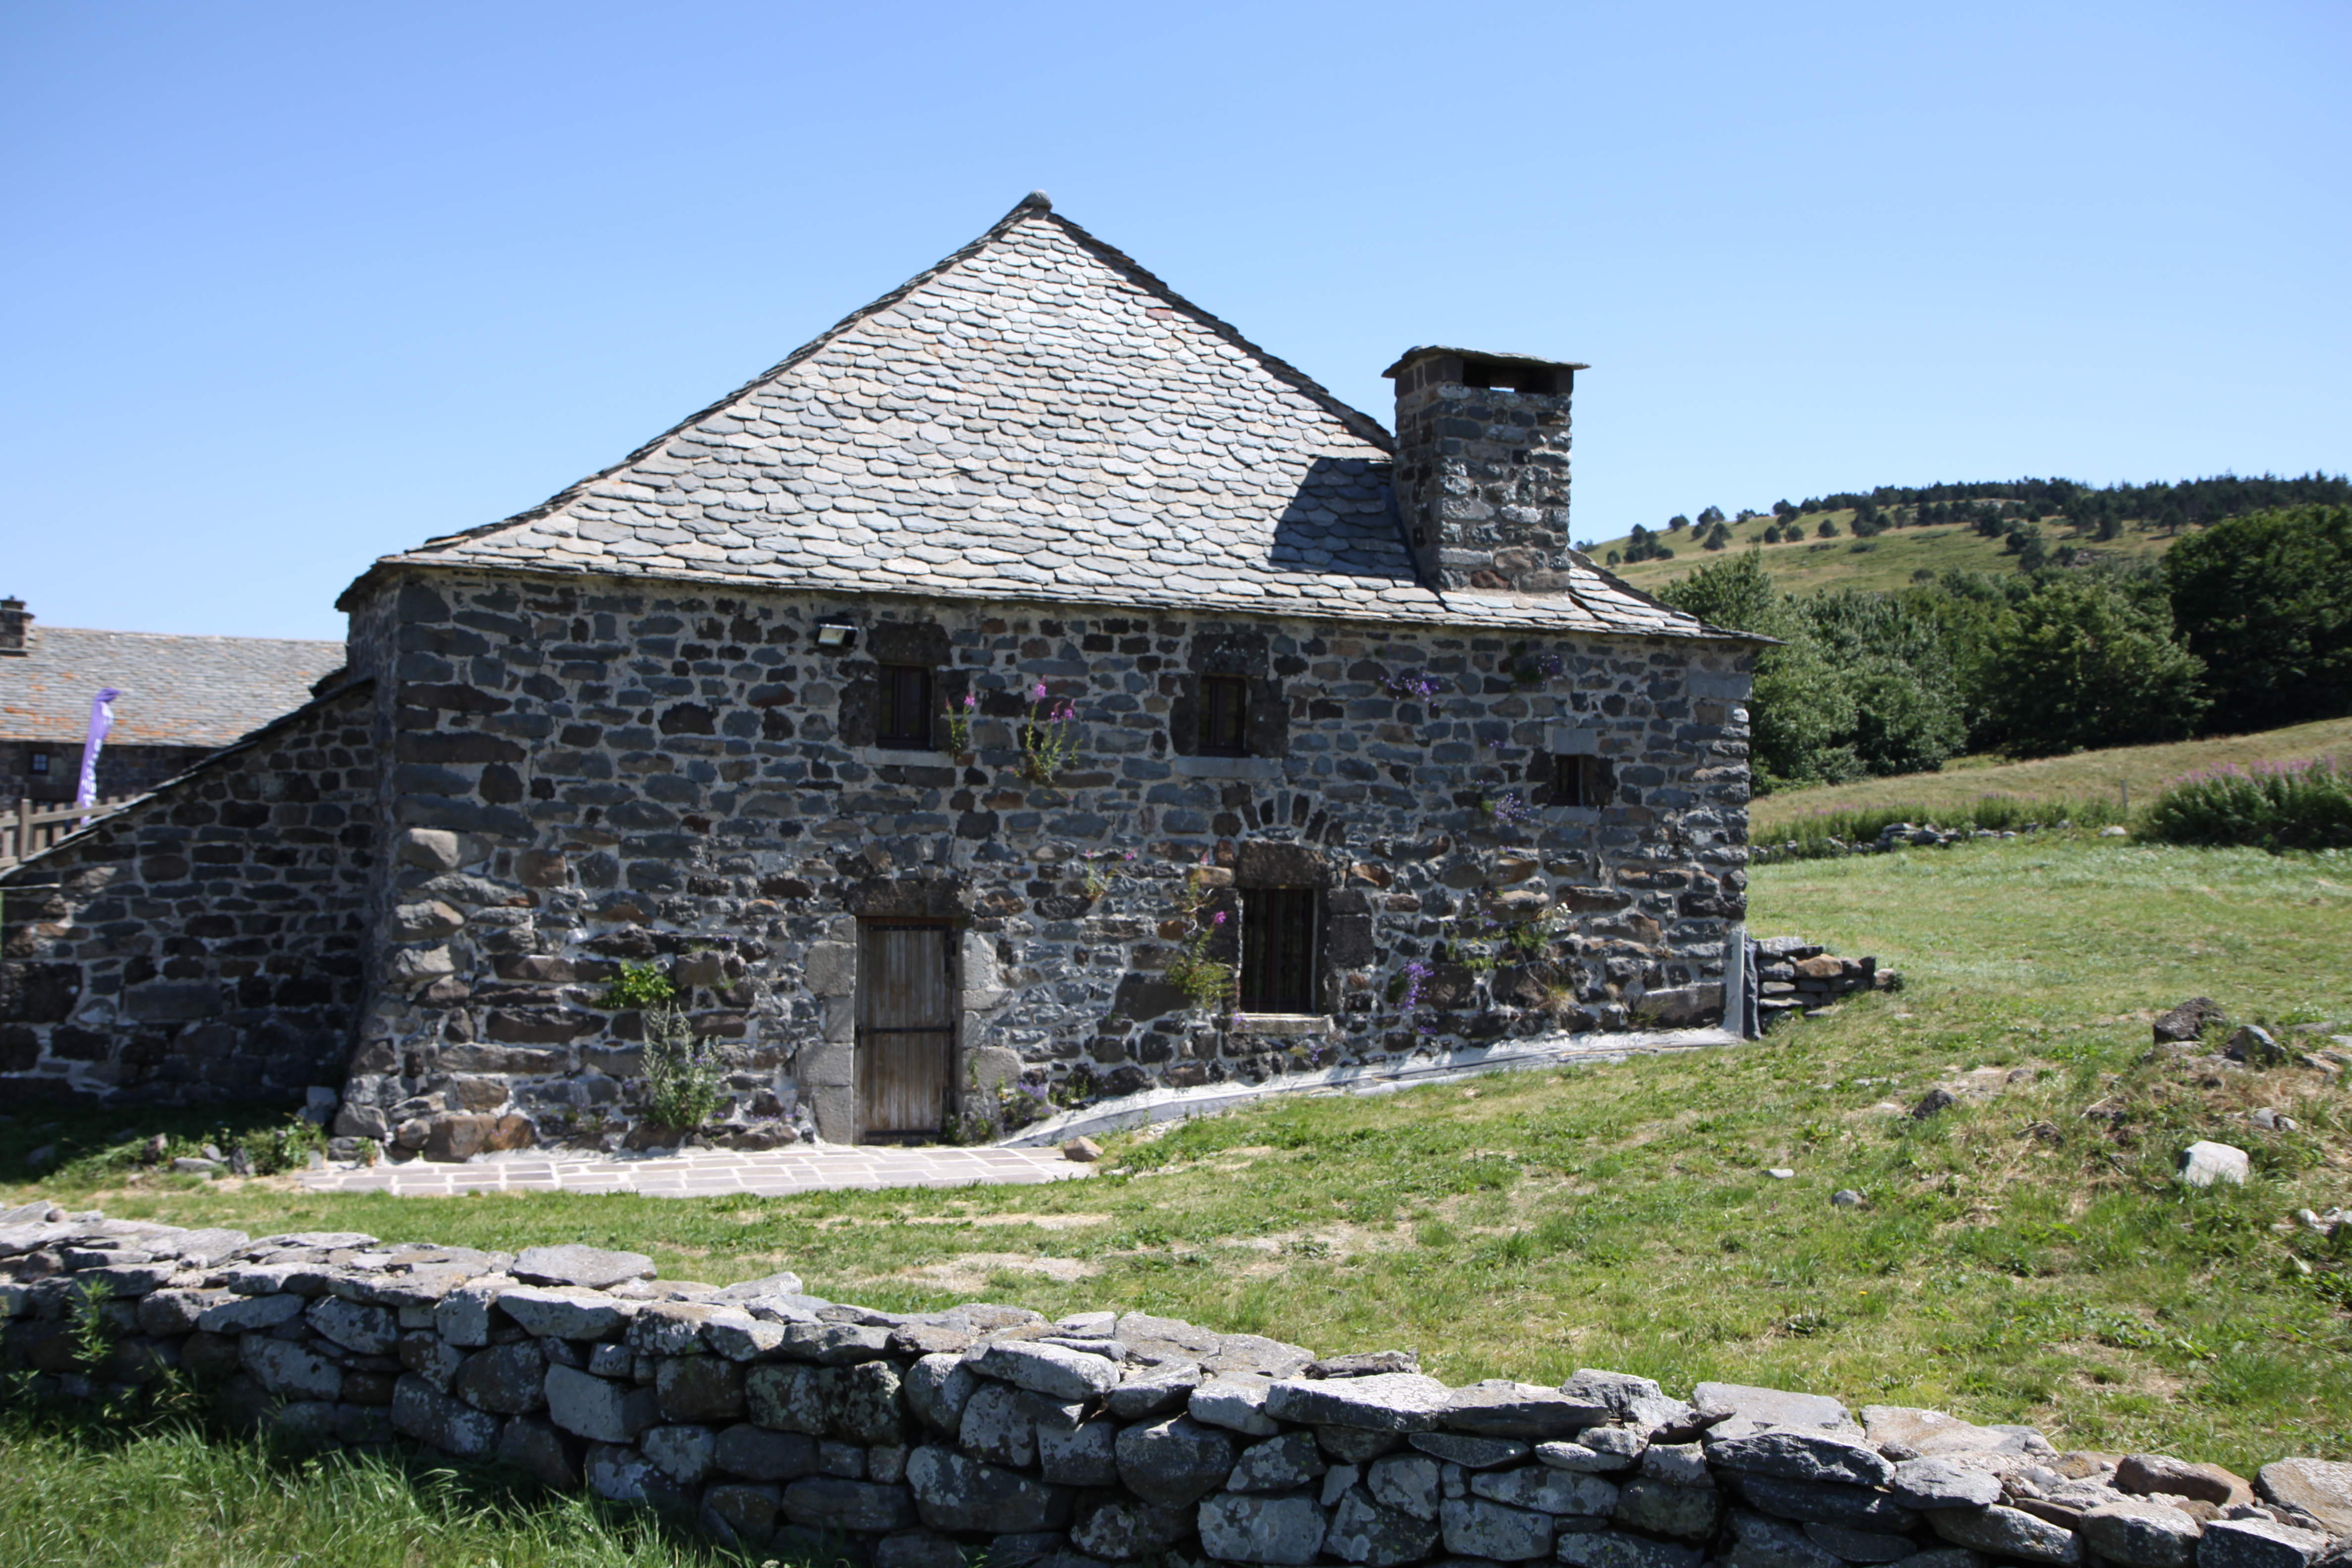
(790, 1422)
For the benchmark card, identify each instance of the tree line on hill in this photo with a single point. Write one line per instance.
(2006, 510)
(2246, 626)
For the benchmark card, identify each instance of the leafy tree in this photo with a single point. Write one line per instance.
(2083, 661)
(1713, 514)
(1828, 530)
(1909, 714)
(1716, 538)
(2266, 602)
(1771, 533)
(1675, 524)
(1782, 508)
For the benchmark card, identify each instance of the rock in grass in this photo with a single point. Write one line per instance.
(2205, 1163)
(2189, 1020)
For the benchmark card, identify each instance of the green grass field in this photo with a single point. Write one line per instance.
(1882, 565)
(2107, 776)
(2015, 1260)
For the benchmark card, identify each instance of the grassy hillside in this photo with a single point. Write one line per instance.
(1890, 561)
(2086, 775)
(2015, 1259)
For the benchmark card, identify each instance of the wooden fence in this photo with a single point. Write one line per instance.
(34, 826)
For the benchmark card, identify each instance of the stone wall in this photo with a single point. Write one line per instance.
(208, 942)
(785, 1422)
(584, 774)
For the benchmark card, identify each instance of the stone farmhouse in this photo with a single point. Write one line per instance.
(938, 712)
(182, 699)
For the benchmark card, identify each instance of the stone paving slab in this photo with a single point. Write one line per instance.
(712, 1172)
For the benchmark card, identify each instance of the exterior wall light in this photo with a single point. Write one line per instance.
(834, 634)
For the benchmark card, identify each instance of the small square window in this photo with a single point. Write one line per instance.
(906, 716)
(39, 762)
(1224, 716)
(1277, 950)
(1583, 780)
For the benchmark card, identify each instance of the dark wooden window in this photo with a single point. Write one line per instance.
(906, 717)
(1584, 780)
(1224, 716)
(40, 761)
(1277, 950)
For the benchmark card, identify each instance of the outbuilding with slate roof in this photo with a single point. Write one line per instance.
(1029, 690)
(182, 699)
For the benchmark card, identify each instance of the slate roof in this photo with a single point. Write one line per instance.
(178, 690)
(1036, 418)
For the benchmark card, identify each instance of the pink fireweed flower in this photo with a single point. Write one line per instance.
(1218, 919)
(971, 700)
(1039, 694)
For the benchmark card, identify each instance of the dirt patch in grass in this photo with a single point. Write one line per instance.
(968, 1274)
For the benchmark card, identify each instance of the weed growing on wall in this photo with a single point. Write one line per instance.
(682, 1070)
(1048, 745)
(638, 985)
(1206, 983)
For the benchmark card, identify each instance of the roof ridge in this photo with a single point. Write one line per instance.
(1034, 206)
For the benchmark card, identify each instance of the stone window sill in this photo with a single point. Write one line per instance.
(1226, 767)
(1283, 1024)
(891, 756)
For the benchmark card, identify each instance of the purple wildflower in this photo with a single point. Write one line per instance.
(1038, 694)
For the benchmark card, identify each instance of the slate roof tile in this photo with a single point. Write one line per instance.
(1036, 417)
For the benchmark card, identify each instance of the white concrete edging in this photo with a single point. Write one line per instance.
(1151, 1105)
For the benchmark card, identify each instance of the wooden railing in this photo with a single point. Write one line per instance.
(34, 826)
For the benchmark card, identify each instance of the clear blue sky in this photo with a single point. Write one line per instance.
(285, 287)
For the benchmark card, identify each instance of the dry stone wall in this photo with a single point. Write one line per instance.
(587, 774)
(786, 1422)
(206, 942)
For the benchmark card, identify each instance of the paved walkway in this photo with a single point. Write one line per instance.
(702, 1173)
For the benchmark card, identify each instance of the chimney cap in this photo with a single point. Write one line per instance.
(1426, 351)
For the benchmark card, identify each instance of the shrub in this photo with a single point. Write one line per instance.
(2291, 805)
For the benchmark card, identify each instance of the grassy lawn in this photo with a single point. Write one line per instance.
(2085, 776)
(2013, 1260)
(1882, 565)
(172, 1499)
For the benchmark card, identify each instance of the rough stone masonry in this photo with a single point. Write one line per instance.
(783, 1421)
(1031, 606)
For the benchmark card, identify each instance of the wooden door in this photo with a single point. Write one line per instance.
(906, 1030)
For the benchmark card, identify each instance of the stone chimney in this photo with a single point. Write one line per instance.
(15, 628)
(1482, 468)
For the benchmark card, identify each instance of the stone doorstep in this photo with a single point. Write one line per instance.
(1512, 1056)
